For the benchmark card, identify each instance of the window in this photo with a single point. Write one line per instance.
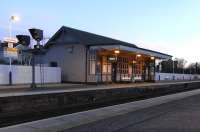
(92, 67)
(123, 65)
(92, 62)
(106, 64)
(138, 68)
(53, 64)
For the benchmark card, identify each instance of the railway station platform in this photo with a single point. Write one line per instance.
(17, 90)
(22, 104)
(104, 119)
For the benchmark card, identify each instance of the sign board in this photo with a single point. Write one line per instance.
(112, 59)
(10, 41)
(11, 52)
(10, 45)
(134, 62)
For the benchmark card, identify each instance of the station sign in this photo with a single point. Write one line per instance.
(10, 52)
(111, 59)
(10, 41)
(134, 62)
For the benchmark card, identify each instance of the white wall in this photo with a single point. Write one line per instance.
(171, 76)
(23, 74)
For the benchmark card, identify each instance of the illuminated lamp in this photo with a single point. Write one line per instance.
(152, 57)
(117, 51)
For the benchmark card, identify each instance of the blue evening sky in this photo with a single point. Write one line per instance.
(169, 26)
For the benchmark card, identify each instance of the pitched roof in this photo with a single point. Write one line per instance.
(74, 36)
(71, 35)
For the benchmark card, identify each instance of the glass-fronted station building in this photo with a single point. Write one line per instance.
(89, 58)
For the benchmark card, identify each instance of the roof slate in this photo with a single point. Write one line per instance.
(71, 35)
(75, 36)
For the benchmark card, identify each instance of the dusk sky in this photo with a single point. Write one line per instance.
(168, 26)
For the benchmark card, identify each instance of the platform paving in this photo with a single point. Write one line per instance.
(175, 112)
(19, 90)
(177, 116)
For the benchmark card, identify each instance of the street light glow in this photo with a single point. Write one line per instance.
(138, 55)
(15, 18)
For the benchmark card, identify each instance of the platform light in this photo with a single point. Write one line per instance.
(139, 55)
(152, 58)
(14, 18)
(117, 51)
(23, 39)
(36, 34)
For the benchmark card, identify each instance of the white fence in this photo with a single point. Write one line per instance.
(171, 76)
(23, 74)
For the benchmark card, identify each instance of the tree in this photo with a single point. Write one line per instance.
(181, 63)
(194, 68)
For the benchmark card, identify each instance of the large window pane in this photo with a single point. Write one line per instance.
(92, 67)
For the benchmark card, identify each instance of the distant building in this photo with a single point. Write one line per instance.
(86, 57)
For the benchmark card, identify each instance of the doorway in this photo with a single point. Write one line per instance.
(114, 72)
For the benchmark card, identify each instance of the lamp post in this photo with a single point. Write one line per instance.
(37, 35)
(12, 19)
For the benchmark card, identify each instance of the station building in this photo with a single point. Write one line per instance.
(90, 58)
